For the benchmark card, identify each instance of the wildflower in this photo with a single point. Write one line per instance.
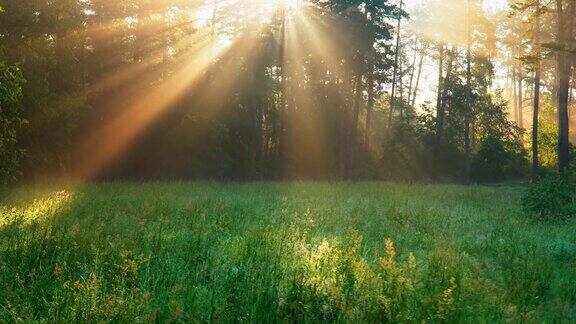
(390, 251)
(411, 261)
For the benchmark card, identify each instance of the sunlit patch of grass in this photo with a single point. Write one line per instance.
(36, 210)
(269, 252)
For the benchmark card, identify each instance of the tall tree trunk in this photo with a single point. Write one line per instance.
(514, 94)
(441, 113)
(283, 119)
(400, 90)
(563, 125)
(535, 118)
(420, 64)
(536, 109)
(413, 72)
(346, 118)
(440, 77)
(439, 105)
(448, 77)
(565, 27)
(468, 116)
(507, 92)
(353, 141)
(520, 101)
(395, 71)
(369, 109)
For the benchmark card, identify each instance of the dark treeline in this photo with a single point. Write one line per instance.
(266, 89)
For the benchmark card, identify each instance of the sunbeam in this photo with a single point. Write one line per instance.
(116, 136)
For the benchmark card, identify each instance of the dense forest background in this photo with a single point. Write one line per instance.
(276, 89)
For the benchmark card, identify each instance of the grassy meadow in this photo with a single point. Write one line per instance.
(281, 252)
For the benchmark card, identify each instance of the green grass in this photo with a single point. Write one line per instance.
(271, 252)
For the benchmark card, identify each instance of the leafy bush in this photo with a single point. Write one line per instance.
(553, 197)
(405, 154)
(499, 159)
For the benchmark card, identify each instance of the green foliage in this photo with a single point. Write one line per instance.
(46, 39)
(499, 160)
(48, 138)
(406, 154)
(11, 120)
(292, 252)
(548, 136)
(548, 145)
(497, 154)
(552, 197)
(501, 154)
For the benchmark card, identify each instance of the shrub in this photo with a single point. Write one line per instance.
(553, 197)
(499, 159)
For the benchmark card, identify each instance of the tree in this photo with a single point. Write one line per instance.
(534, 59)
(536, 110)
(11, 120)
(566, 15)
(423, 52)
(395, 68)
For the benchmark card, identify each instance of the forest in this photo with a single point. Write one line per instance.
(287, 89)
(346, 161)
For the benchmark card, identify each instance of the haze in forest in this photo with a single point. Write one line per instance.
(280, 89)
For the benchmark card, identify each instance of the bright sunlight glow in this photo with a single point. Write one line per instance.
(292, 3)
